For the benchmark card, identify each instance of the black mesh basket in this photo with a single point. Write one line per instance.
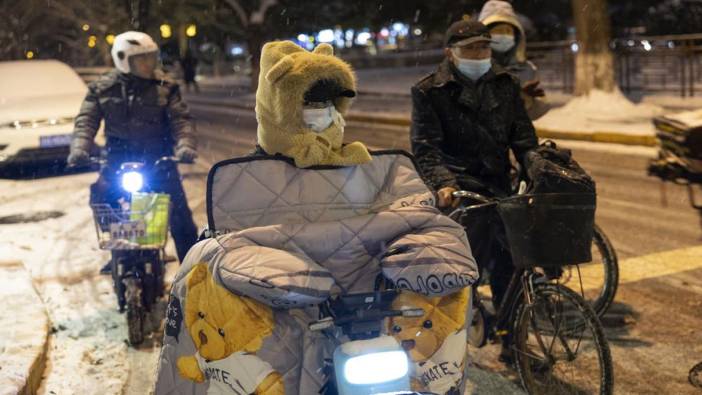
(547, 230)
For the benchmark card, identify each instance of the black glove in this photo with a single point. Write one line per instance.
(78, 157)
(185, 154)
(532, 88)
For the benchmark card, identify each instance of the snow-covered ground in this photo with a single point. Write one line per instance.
(602, 112)
(87, 351)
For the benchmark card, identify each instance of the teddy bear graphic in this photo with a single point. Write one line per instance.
(227, 331)
(436, 342)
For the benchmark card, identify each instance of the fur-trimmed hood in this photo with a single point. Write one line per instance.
(497, 11)
(287, 72)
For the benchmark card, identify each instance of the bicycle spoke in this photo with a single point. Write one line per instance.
(572, 363)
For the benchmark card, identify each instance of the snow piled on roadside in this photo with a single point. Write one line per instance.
(86, 353)
(601, 111)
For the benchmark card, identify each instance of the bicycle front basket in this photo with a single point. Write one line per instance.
(553, 229)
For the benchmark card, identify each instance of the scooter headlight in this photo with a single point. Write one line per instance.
(379, 367)
(132, 181)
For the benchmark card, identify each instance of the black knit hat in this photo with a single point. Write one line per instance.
(466, 32)
(326, 90)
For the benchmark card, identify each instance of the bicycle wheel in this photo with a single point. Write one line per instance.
(695, 376)
(552, 357)
(599, 277)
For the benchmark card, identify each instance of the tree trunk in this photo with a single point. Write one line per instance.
(594, 63)
(138, 11)
(254, 42)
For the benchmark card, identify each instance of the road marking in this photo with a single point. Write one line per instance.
(648, 266)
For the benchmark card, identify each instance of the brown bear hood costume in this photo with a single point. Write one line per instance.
(287, 73)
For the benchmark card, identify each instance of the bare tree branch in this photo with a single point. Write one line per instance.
(239, 10)
(259, 15)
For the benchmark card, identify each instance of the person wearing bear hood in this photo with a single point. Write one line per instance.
(509, 52)
(301, 101)
(305, 218)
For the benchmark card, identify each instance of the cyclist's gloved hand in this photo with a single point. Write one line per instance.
(186, 154)
(78, 157)
(446, 198)
(532, 88)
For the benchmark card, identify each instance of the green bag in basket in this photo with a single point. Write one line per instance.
(153, 209)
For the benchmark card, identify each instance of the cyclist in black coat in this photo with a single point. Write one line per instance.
(466, 117)
(145, 119)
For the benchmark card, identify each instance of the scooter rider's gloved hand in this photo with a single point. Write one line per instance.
(186, 154)
(78, 157)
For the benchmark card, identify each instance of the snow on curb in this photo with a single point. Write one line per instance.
(607, 117)
(24, 334)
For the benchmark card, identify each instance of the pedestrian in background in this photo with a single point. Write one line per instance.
(189, 66)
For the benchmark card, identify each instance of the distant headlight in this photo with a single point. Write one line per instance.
(376, 368)
(132, 181)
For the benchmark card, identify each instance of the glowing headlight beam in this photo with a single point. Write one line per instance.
(132, 181)
(376, 368)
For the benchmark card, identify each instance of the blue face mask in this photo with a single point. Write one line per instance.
(502, 42)
(472, 68)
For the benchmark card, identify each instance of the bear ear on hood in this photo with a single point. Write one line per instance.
(197, 275)
(324, 49)
(279, 69)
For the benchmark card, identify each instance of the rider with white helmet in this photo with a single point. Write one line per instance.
(136, 53)
(145, 119)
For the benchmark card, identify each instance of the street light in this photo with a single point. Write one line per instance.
(191, 31)
(166, 30)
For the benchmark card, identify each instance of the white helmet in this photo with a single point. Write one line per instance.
(129, 44)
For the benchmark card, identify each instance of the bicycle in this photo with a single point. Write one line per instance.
(670, 169)
(545, 324)
(598, 278)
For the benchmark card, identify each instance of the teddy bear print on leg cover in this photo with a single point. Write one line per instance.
(299, 222)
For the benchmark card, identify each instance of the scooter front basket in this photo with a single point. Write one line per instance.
(143, 226)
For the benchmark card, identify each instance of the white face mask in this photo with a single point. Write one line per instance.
(472, 68)
(502, 42)
(318, 119)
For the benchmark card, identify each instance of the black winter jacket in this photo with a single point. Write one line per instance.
(144, 118)
(462, 130)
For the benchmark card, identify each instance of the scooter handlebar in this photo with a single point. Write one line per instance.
(369, 315)
(173, 159)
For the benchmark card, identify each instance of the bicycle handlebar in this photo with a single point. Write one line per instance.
(472, 195)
